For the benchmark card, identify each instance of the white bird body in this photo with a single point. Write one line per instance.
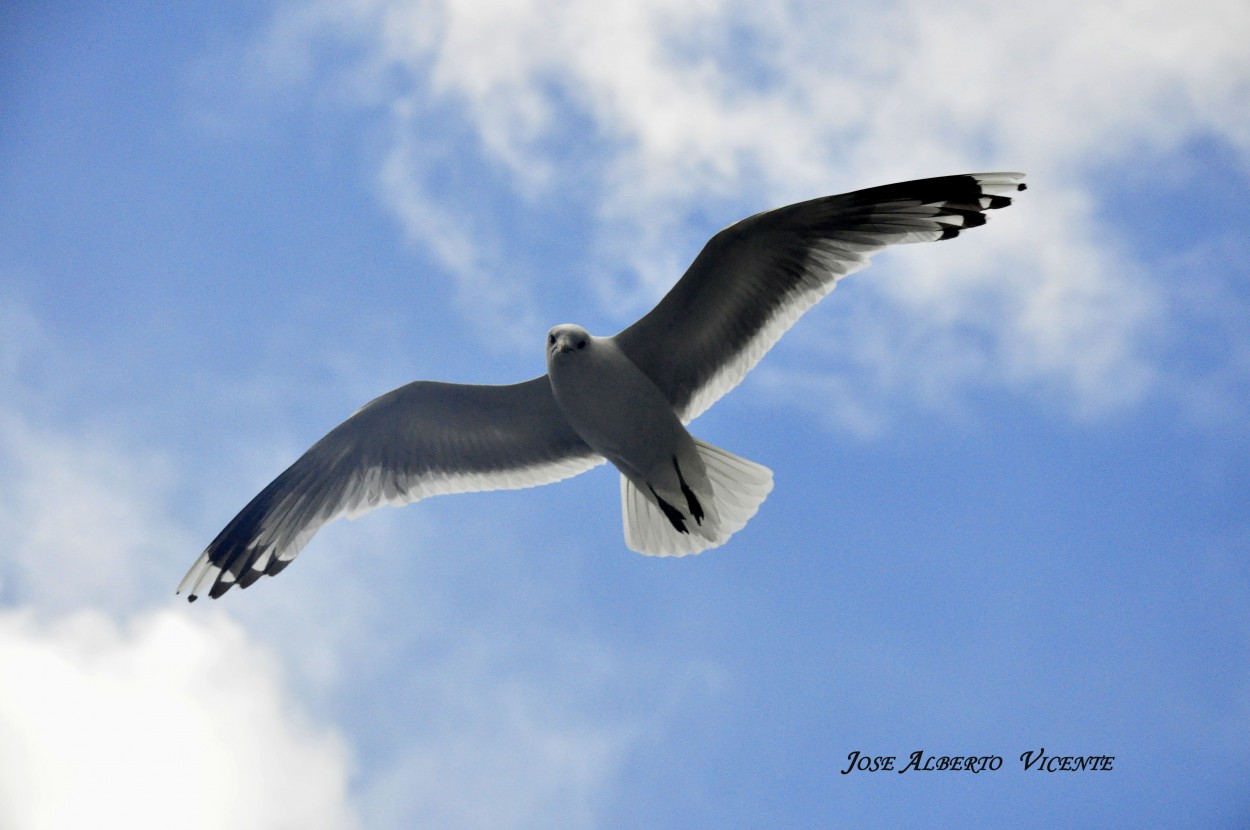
(623, 399)
(622, 415)
(611, 404)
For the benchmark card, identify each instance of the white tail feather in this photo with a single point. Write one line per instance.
(739, 487)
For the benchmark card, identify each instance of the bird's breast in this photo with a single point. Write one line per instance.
(614, 407)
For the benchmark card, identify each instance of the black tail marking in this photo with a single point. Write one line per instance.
(671, 513)
(692, 503)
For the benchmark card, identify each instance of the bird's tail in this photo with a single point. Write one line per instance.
(739, 487)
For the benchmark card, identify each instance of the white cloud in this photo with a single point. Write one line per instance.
(496, 303)
(82, 523)
(471, 706)
(111, 717)
(171, 720)
(123, 706)
(673, 111)
(183, 714)
(505, 746)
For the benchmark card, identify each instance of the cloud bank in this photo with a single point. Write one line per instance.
(123, 706)
(166, 720)
(681, 120)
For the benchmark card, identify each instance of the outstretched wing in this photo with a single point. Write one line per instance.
(754, 279)
(420, 440)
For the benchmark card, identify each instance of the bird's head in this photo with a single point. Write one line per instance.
(567, 338)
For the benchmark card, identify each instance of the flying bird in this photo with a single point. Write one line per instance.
(624, 399)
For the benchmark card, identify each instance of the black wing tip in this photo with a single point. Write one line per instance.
(248, 578)
(987, 182)
(973, 209)
(960, 187)
(968, 218)
(228, 579)
(276, 566)
(236, 548)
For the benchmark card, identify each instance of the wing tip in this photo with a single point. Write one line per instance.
(989, 195)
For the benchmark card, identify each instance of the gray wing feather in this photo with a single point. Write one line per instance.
(420, 440)
(754, 279)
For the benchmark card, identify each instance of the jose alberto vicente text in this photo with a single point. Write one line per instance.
(1030, 760)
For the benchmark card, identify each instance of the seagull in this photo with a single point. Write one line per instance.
(624, 399)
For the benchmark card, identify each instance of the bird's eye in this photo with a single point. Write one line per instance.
(551, 339)
(581, 344)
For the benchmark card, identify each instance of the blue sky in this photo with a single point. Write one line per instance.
(1011, 470)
